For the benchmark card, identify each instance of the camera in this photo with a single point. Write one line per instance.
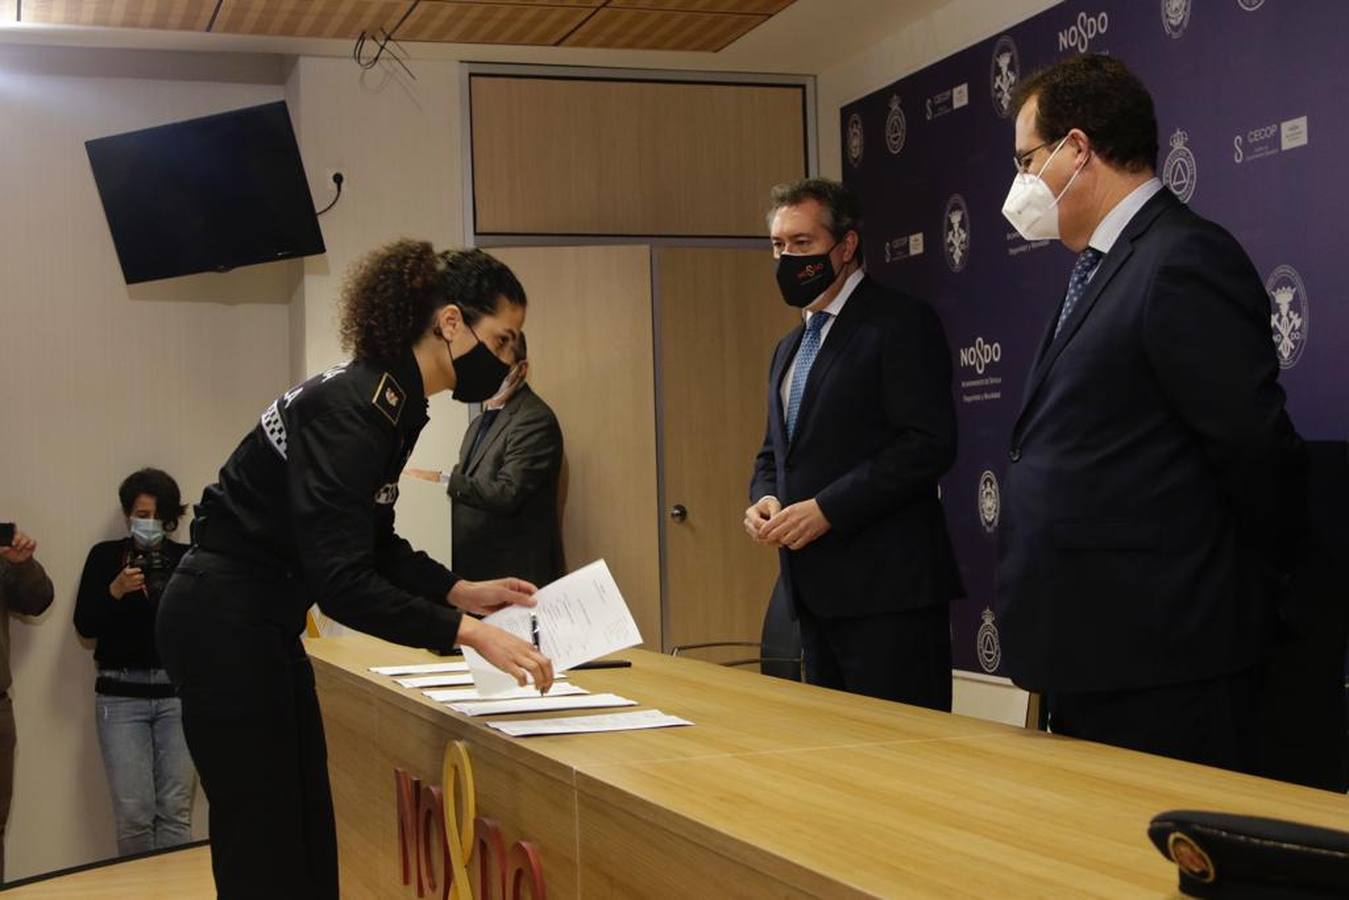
(154, 566)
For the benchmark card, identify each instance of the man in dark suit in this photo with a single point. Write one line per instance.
(503, 492)
(861, 426)
(1154, 473)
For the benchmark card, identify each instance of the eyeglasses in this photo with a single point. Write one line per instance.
(1022, 160)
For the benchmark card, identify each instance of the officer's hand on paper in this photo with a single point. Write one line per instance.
(508, 653)
(483, 597)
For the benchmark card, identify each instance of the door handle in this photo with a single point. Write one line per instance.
(679, 513)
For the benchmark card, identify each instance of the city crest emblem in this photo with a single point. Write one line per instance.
(1176, 16)
(956, 232)
(988, 645)
(990, 501)
(854, 142)
(1180, 171)
(1289, 316)
(896, 127)
(1005, 71)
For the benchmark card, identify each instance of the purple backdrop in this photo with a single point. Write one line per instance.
(1250, 107)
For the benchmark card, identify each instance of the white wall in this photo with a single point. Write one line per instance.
(949, 29)
(396, 142)
(98, 382)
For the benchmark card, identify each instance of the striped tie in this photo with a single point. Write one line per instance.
(805, 358)
(1077, 283)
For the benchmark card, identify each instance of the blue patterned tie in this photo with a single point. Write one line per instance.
(1077, 283)
(805, 358)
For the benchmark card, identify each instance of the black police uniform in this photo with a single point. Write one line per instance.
(302, 513)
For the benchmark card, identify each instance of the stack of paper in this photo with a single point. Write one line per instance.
(421, 668)
(461, 695)
(647, 718)
(549, 703)
(429, 681)
(581, 617)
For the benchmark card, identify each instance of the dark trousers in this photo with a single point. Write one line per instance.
(229, 637)
(1212, 722)
(903, 656)
(7, 741)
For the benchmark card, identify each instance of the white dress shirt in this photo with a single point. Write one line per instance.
(1112, 226)
(834, 308)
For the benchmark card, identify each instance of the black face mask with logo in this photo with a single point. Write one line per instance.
(804, 278)
(478, 373)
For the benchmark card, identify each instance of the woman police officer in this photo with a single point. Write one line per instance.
(303, 513)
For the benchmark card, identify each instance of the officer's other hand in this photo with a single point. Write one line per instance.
(430, 475)
(20, 550)
(483, 597)
(508, 653)
(758, 515)
(128, 580)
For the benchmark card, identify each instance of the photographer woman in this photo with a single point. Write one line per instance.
(139, 718)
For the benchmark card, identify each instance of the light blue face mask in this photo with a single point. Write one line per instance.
(147, 532)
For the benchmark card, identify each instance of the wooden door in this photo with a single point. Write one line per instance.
(591, 359)
(720, 318)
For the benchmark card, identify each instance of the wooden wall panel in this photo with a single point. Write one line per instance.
(591, 359)
(579, 157)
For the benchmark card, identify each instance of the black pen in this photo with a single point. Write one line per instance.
(534, 631)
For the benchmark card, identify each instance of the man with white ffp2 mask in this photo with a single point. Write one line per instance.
(1152, 467)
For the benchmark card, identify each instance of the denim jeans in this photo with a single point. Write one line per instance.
(149, 769)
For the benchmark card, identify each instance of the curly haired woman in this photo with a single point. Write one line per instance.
(303, 513)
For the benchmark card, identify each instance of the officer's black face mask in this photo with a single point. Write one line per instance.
(804, 278)
(478, 373)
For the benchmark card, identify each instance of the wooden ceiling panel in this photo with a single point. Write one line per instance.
(309, 18)
(176, 15)
(633, 29)
(698, 25)
(748, 7)
(491, 23)
(590, 4)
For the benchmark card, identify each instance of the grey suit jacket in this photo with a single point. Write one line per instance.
(504, 503)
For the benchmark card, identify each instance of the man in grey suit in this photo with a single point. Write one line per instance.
(503, 492)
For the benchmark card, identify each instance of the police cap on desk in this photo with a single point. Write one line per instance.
(1229, 856)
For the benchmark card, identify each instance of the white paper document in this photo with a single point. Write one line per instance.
(426, 681)
(422, 669)
(581, 616)
(454, 679)
(494, 707)
(468, 694)
(633, 721)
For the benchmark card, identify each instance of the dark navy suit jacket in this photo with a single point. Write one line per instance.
(1154, 476)
(875, 432)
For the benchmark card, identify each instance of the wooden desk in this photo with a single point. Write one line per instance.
(779, 789)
